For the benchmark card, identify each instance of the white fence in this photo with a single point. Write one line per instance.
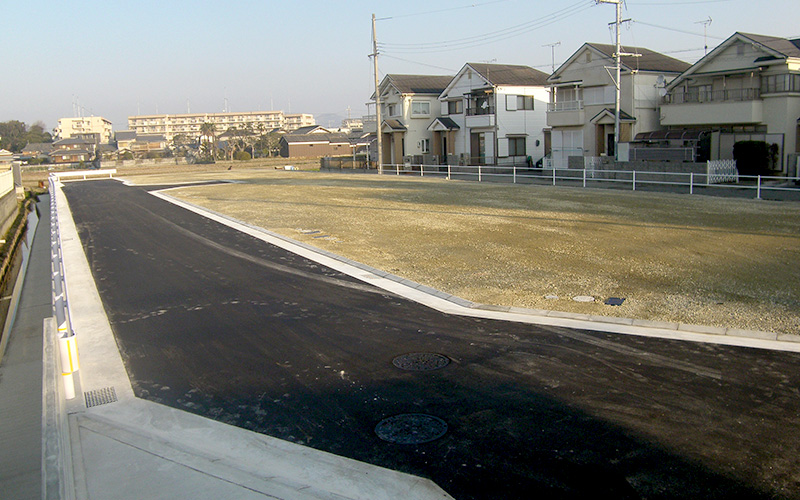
(6, 182)
(593, 177)
(722, 171)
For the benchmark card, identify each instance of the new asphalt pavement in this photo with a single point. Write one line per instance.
(217, 322)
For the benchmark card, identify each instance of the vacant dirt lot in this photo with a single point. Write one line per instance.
(678, 258)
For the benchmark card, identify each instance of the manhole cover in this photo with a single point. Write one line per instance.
(411, 428)
(421, 361)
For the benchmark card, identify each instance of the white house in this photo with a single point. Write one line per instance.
(582, 100)
(747, 88)
(408, 103)
(492, 114)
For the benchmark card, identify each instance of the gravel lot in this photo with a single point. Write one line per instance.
(678, 258)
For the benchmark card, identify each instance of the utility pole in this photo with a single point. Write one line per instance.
(552, 54)
(374, 56)
(618, 70)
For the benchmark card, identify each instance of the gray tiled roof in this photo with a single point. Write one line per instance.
(510, 74)
(419, 84)
(650, 60)
(787, 47)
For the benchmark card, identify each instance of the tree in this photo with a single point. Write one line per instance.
(208, 140)
(14, 135)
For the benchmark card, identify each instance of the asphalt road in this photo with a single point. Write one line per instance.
(221, 324)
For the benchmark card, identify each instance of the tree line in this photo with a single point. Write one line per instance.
(14, 135)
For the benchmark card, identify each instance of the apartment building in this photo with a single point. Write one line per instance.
(94, 128)
(189, 124)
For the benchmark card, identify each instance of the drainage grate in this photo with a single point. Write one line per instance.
(411, 428)
(421, 361)
(99, 397)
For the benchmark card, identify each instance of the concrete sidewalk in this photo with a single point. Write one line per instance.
(120, 446)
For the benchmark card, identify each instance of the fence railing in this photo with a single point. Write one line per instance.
(686, 182)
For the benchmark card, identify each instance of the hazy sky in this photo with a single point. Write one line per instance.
(121, 58)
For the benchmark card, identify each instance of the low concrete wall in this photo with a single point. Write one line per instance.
(8, 211)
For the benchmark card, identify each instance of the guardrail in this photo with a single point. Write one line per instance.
(586, 177)
(67, 342)
(85, 174)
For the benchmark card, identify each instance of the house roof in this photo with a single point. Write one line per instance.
(38, 147)
(71, 140)
(311, 129)
(609, 113)
(418, 84)
(777, 49)
(650, 60)
(784, 46)
(443, 123)
(510, 74)
(394, 125)
(125, 135)
(150, 138)
(69, 152)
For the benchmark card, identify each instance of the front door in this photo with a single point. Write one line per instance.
(477, 153)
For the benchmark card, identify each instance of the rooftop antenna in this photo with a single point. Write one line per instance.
(552, 54)
(705, 33)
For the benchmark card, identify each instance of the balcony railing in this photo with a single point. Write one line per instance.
(564, 106)
(713, 96)
(488, 110)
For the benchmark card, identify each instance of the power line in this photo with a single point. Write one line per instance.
(440, 10)
(677, 30)
(494, 36)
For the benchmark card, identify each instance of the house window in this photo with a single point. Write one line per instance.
(455, 107)
(780, 83)
(425, 145)
(420, 108)
(391, 109)
(519, 102)
(516, 146)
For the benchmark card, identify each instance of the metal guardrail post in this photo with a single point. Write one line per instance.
(479, 173)
(554, 175)
(584, 177)
(634, 180)
(691, 182)
(448, 172)
(758, 191)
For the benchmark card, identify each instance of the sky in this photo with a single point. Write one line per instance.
(116, 58)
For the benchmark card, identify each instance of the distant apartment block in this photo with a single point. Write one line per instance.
(189, 124)
(297, 120)
(94, 128)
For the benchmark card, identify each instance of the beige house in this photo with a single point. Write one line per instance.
(408, 105)
(581, 112)
(747, 88)
(93, 128)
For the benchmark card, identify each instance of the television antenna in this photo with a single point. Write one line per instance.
(705, 33)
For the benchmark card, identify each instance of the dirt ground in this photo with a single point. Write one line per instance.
(678, 258)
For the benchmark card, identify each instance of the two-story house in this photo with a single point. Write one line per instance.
(581, 112)
(492, 114)
(408, 103)
(747, 88)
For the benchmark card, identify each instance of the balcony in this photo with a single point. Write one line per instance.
(713, 107)
(565, 114)
(480, 116)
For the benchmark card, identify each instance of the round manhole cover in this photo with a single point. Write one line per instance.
(411, 428)
(421, 361)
